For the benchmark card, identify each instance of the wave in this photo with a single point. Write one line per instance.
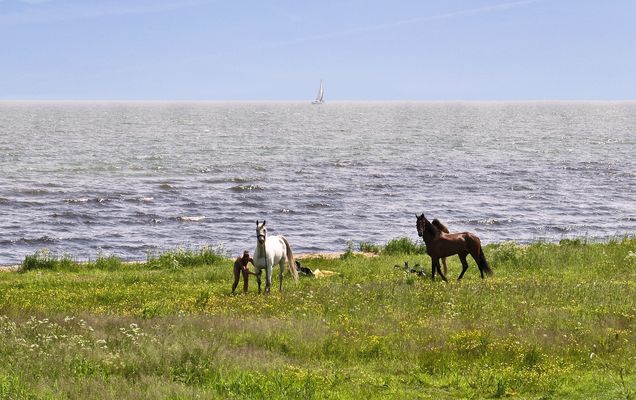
(246, 188)
(42, 240)
(80, 200)
(485, 221)
(148, 199)
(319, 205)
(229, 180)
(34, 192)
(560, 229)
(193, 218)
(69, 214)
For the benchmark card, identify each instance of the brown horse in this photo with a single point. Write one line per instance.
(440, 244)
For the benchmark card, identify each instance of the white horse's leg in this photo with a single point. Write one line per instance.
(258, 279)
(268, 276)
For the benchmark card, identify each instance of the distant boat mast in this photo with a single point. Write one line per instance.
(320, 97)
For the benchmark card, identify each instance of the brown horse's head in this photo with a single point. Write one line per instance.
(421, 224)
(424, 227)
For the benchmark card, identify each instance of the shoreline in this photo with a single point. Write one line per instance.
(330, 255)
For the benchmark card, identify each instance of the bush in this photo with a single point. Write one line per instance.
(507, 253)
(109, 263)
(185, 258)
(367, 247)
(403, 245)
(349, 253)
(43, 259)
(572, 242)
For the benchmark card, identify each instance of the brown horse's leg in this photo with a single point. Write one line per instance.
(475, 253)
(445, 267)
(474, 246)
(462, 258)
(432, 269)
(439, 269)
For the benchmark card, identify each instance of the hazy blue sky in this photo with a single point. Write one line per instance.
(278, 50)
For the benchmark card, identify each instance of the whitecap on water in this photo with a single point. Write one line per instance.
(243, 188)
(80, 200)
(193, 218)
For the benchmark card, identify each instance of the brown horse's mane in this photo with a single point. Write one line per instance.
(438, 224)
(432, 228)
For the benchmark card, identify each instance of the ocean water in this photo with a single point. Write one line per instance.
(86, 178)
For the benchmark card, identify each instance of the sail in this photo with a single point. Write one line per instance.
(320, 95)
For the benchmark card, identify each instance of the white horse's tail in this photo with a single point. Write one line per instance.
(290, 260)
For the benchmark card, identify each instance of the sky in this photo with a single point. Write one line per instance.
(369, 50)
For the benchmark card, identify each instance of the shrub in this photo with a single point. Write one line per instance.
(403, 245)
(109, 263)
(367, 247)
(349, 253)
(507, 252)
(185, 258)
(43, 259)
(572, 242)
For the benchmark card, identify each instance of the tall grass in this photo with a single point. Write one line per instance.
(175, 259)
(185, 258)
(555, 321)
(403, 245)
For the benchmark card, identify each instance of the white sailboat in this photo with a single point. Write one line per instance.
(320, 96)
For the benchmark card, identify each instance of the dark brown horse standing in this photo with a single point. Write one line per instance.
(440, 245)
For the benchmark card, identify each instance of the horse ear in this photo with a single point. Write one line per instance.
(264, 222)
(256, 222)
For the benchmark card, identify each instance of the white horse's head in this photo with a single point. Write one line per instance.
(261, 232)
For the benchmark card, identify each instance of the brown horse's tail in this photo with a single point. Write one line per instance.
(483, 264)
(290, 259)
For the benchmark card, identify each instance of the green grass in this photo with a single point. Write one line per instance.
(555, 321)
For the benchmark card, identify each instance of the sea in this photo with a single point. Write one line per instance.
(130, 179)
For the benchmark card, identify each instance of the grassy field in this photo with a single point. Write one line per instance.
(555, 321)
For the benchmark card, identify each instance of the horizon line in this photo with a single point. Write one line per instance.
(97, 100)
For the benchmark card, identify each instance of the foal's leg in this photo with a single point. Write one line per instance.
(236, 279)
(462, 258)
(445, 267)
(246, 277)
(280, 274)
(439, 269)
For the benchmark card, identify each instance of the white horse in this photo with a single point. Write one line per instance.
(270, 251)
